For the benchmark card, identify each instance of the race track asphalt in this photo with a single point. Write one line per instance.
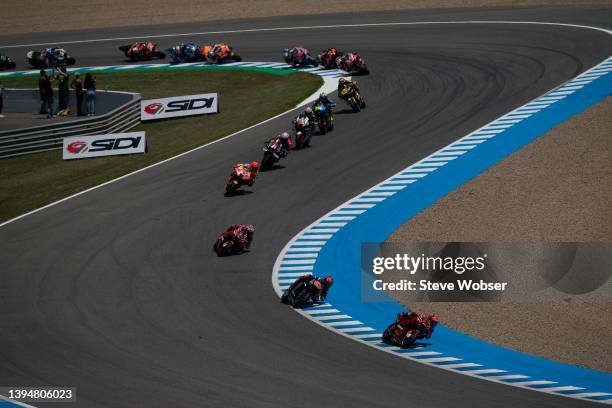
(118, 293)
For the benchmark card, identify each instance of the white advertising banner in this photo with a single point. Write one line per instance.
(111, 144)
(162, 108)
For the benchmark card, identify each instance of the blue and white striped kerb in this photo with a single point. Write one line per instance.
(300, 256)
(332, 73)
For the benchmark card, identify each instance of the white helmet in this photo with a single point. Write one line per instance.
(284, 135)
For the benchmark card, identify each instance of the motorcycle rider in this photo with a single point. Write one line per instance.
(328, 58)
(296, 55)
(310, 115)
(139, 49)
(285, 141)
(6, 62)
(343, 83)
(307, 114)
(425, 324)
(319, 287)
(346, 61)
(47, 55)
(241, 234)
(221, 51)
(329, 104)
(323, 99)
(186, 52)
(246, 173)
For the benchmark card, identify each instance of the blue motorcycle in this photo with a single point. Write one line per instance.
(185, 53)
(324, 116)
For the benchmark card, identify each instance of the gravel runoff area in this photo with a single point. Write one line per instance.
(60, 15)
(556, 189)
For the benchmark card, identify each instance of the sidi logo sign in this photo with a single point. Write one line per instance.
(80, 147)
(177, 106)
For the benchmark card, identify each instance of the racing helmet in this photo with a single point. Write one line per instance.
(308, 110)
(284, 135)
(249, 229)
(433, 320)
(322, 95)
(329, 281)
(342, 81)
(254, 165)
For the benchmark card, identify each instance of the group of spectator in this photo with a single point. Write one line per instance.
(83, 90)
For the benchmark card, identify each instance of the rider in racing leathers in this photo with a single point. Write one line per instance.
(328, 103)
(328, 58)
(343, 83)
(48, 54)
(141, 49)
(285, 141)
(246, 173)
(221, 51)
(242, 234)
(319, 286)
(425, 324)
(347, 60)
(296, 55)
(323, 99)
(186, 52)
(310, 115)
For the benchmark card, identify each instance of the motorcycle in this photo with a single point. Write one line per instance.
(142, 51)
(273, 152)
(234, 182)
(352, 63)
(353, 98)
(49, 59)
(179, 56)
(303, 131)
(219, 55)
(6, 62)
(296, 59)
(328, 58)
(324, 117)
(299, 293)
(399, 336)
(225, 245)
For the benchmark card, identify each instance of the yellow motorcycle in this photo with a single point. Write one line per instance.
(352, 97)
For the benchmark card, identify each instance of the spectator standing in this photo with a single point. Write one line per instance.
(48, 95)
(77, 85)
(90, 94)
(42, 92)
(64, 92)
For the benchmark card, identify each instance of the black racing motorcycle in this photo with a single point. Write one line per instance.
(6, 62)
(273, 152)
(300, 293)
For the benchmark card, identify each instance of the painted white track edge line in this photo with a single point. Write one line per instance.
(326, 83)
(314, 27)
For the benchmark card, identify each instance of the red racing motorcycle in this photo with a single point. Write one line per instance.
(352, 63)
(142, 51)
